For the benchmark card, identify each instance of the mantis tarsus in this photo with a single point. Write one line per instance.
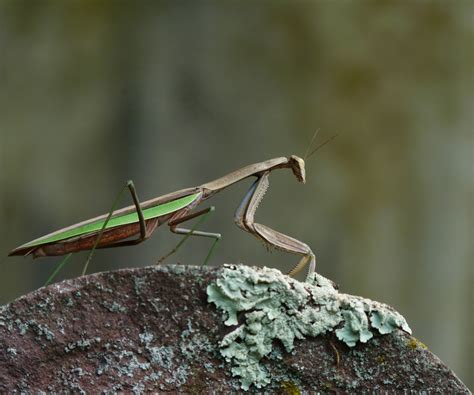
(141, 219)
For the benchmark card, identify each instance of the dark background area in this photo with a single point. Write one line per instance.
(175, 94)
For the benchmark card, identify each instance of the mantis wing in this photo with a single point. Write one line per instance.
(89, 227)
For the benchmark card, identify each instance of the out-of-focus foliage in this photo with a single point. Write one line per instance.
(174, 94)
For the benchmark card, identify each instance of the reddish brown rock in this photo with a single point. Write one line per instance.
(152, 329)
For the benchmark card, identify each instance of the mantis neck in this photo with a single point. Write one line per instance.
(255, 169)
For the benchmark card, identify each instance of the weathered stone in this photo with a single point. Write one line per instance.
(153, 329)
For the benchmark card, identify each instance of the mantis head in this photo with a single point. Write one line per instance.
(297, 166)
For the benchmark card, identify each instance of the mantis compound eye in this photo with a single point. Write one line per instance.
(297, 165)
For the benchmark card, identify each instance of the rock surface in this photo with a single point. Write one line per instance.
(153, 329)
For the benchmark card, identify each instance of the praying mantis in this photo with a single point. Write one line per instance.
(140, 220)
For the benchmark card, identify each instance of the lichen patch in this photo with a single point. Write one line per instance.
(272, 306)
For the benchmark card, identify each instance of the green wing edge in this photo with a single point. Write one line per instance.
(149, 213)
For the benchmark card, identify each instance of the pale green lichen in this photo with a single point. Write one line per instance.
(114, 307)
(82, 344)
(275, 306)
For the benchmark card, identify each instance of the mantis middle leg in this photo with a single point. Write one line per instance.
(244, 218)
(183, 217)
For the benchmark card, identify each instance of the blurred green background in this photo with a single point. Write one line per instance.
(174, 94)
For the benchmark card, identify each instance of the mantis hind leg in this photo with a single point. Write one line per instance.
(143, 229)
(244, 218)
(192, 232)
(57, 269)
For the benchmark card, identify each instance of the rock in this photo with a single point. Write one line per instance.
(158, 329)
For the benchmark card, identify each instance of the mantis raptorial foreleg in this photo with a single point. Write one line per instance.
(244, 218)
(191, 232)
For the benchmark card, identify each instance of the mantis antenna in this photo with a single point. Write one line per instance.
(307, 155)
(310, 144)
